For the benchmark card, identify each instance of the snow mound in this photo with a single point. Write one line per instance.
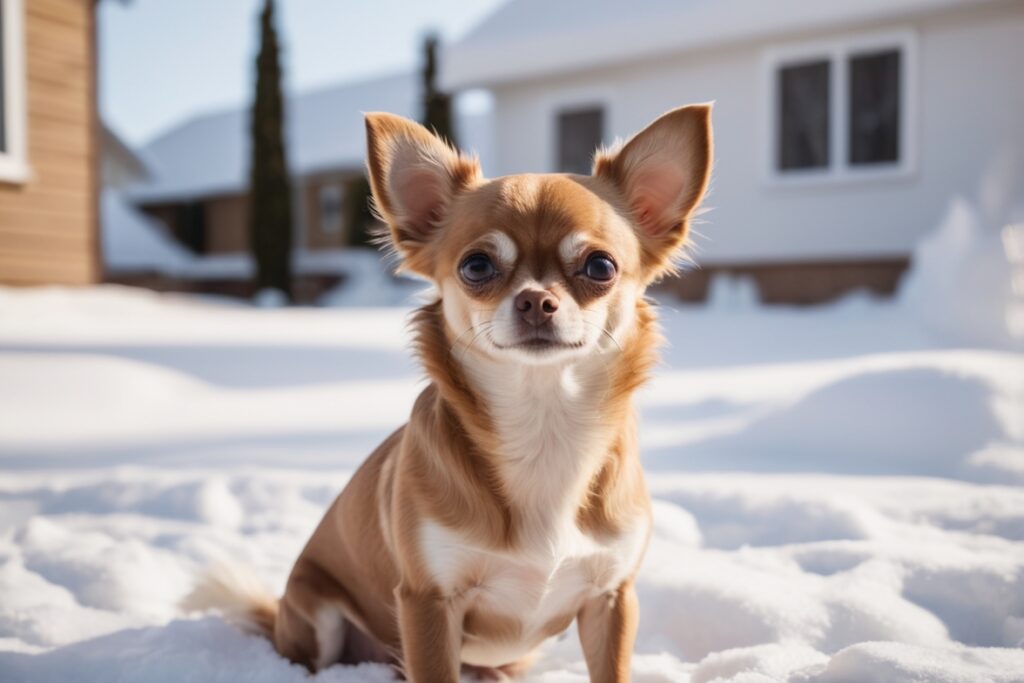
(732, 293)
(891, 662)
(965, 282)
(878, 422)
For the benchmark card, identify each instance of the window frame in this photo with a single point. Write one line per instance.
(838, 52)
(14, 161)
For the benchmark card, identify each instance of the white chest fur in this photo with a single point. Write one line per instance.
(534, 586)
(552, 436)
(552, 439)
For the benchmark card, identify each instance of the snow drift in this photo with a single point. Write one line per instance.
(831, 503)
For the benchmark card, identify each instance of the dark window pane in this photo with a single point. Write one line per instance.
(3, 100)
(804, 116)
(190, 226)
(875, 107)
(580, 133)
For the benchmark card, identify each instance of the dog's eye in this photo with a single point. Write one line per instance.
(599, 267)
(477, 269)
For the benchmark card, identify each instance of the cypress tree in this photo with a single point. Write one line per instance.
(270, 197)
(437, 105)
(357, 209)
(436, 116)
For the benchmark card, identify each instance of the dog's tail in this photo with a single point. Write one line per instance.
(238, 594)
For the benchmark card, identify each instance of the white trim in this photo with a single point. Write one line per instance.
(14, 162)
(837, 52)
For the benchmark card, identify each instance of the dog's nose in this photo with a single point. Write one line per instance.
(536, 306)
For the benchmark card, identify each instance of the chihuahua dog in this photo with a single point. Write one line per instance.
(513, 501)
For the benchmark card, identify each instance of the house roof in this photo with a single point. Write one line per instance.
(113, 146)
(527, 39)
(209, 154)
(132, 241)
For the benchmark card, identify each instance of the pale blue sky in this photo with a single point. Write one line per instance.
(162, 61)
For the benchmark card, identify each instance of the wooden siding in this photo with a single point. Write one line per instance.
(314, 236)
(49, 224)
(810, 282)
(224, 218)
(227, 224)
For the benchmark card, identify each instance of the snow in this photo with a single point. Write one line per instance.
(968, 279)
(839, 500)
(838, 491)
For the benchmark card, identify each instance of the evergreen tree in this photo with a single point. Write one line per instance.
(357, 210)
(270, 197)
(437, 105)
(436, 116)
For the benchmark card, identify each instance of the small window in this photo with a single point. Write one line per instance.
(332, 200)
(12, 92)
(875, 108)
(580, 133)
(804, 116)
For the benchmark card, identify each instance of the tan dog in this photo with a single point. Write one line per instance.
(513, 501)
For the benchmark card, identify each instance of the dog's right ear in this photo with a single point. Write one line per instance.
(414, 177)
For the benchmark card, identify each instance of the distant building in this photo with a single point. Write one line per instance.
(48, 143)
(201, 167)
(843, 128)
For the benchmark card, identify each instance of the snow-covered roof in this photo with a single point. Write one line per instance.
(209, 154)
(115, 152)
(135, 242)
(527, 39)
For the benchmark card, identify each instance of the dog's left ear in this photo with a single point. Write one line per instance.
(414, 177)
(663, 172)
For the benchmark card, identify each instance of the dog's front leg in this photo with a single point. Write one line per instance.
(431, 628)
(607, 627)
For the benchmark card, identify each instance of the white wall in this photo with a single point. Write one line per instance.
(969, 117)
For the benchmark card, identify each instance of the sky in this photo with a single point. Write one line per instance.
(163, 61)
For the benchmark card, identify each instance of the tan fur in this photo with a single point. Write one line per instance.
(536, 520)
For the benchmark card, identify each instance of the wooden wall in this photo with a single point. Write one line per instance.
(312, 235)
(807, 282)
(49, 224)
(227, 224)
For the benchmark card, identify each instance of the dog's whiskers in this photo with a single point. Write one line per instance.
(604, 331)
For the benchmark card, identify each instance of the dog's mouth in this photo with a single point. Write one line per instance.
(539, 345)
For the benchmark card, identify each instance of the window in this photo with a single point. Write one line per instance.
(580, 133)
(12, 93)
(874, 108)
(332, 201)
(841, 109)
(804, 117)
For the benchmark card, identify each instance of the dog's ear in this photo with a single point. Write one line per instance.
(662, 172)
(414, 177)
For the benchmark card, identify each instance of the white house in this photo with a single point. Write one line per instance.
(843, 127)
